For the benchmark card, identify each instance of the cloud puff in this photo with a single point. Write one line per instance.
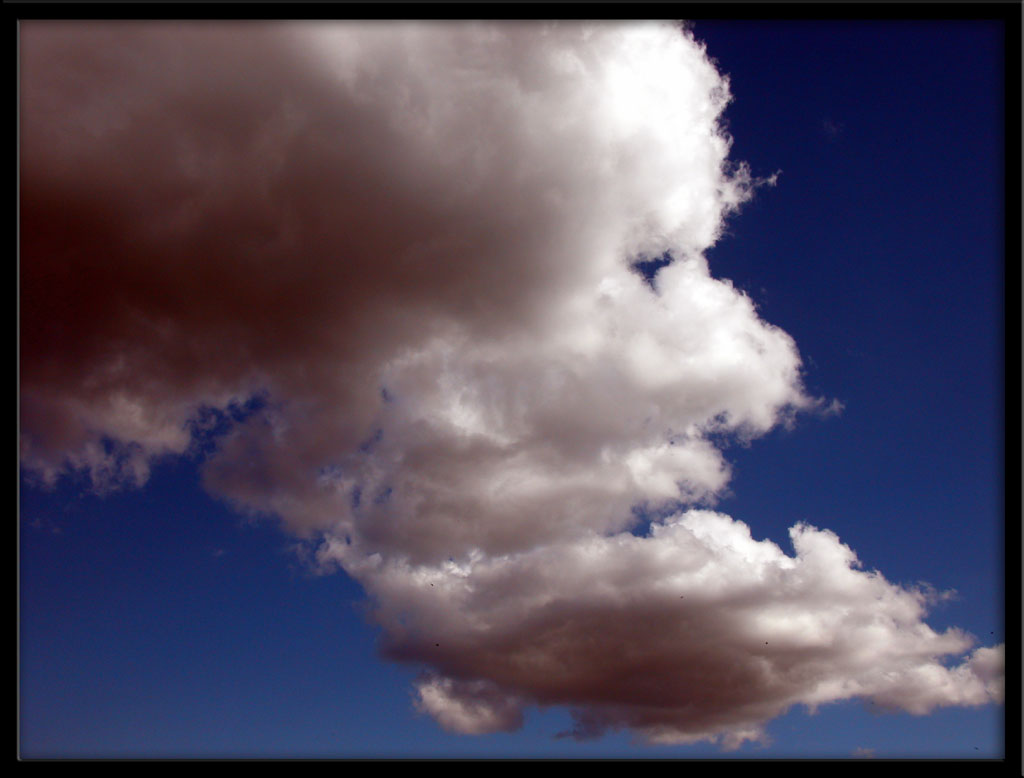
(386, 272)
(694, 631)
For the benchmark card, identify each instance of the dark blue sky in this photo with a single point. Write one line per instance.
(879, 251)
(159, 623)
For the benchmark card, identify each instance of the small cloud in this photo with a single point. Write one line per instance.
(832, 129)
(863, 753)
(826, 409)
(469, 707)
(45, 525)
(771, 180)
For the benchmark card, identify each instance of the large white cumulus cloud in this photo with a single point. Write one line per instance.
(414, 244)
(695, 631)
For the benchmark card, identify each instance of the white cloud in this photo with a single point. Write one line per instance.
(696, 631)
(475, 707)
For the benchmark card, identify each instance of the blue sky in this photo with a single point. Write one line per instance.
(161, 622)
(890, 280)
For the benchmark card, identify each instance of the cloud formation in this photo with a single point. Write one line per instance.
(389, 268)
(693, 631)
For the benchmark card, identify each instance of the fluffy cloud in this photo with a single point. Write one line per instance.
(695, 631)
(395, 264)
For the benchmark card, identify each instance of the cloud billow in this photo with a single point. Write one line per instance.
(414, 245)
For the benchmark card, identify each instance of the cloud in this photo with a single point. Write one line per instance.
(469, 707)
(832, 129)
(384, 274)
(694, 631)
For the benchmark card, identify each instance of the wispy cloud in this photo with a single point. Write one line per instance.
(832, 129)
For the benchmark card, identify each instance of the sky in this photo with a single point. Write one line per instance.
(511, 390)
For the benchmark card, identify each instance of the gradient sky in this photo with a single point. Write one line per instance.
(182, 586)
